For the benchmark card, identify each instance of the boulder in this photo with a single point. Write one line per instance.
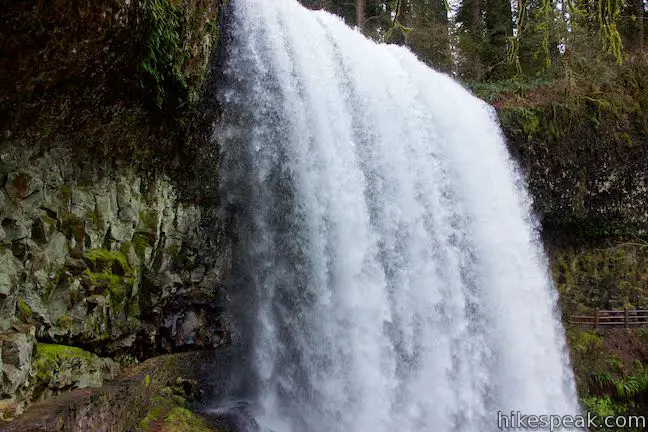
(10, 268)
(21, 185)
(59, 367)
(16, 357)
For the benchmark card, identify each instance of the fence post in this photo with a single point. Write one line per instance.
(596, 318)
(625, 316)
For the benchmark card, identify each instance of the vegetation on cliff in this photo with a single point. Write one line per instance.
(100, 233)
(117, 80)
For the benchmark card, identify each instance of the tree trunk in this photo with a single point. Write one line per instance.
(360, 13)
(639, 10)
(475, 12)
(499, 27)
(430, 37)
(403, 18)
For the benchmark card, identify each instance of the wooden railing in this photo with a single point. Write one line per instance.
(608, 318)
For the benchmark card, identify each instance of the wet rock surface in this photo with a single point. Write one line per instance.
(98, 268)
(166, 393)
(107, 257)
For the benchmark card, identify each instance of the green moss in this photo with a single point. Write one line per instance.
(584, 342)
(119, 287)
(101, 259)
(604, 277)
(155, 415)
(66, 193)
(183, 420)
(48, 358)
(163, 58)
(72, 226)
(587, 356)
(24, 310)
(173, 250)
(125, 248)
(168, 418)
(65, 322)
(111, 280)
(170, 408)
(141, 241)
(528, 121)
(96, 218)
(148, 219)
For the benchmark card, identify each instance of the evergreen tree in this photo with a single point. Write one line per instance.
(430, 34)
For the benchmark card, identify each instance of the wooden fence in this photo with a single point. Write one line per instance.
(609, 318)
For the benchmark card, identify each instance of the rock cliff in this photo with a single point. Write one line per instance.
(111, 246)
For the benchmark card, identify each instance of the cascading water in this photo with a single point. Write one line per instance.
(388, 274)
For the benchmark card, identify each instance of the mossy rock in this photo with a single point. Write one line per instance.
(170, 409)
(105, 261)
(148, 220)
(170, 414)
(24, 311)
(118, 288)
(141, 242)
(62, 367)
(176, 44)
(65, 322)
(73, 227)
(604, 276)
(183, 420)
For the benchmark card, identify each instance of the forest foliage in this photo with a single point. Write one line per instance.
(482, 41)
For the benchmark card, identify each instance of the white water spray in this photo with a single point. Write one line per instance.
(388, 274)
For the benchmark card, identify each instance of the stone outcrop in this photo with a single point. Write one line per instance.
(107, 260)
(161, 394)
(586, 166)
(584, 153)
(107, 257)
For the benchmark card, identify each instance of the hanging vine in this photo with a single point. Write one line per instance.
(514, 41)
(545, 25)
(608, 13)
(396, 25)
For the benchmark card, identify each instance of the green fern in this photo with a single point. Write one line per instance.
(632, 386)
(164, 58)
(615, 364)
(603, 380)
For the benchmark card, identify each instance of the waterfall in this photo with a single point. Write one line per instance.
(388, 273)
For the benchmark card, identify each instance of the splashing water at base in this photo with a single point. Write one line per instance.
(388, 276)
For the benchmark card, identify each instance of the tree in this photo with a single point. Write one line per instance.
(397, 31)
(489, 40)
(498, 20)
(485, 27)
(360, 13)
(470, 38)
(633, 28)
(538, 36)
(430, 34)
